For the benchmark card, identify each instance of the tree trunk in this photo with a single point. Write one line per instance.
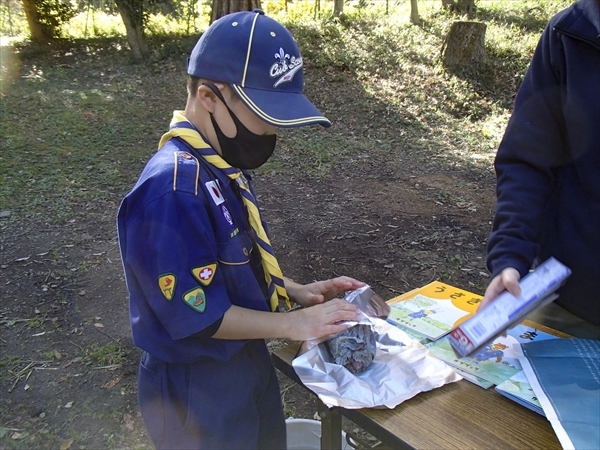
(132, 14)
(223, 7)
(39, 33)
(464, 44)
(414, 13)
(338, 8)
(460, 7)
(466, 7)
(448, 4)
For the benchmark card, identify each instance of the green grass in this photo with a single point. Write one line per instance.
(105, 355)
(79, 119)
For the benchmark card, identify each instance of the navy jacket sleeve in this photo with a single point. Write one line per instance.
(531, 150)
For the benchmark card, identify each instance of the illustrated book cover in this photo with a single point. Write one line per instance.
(496, 361)
(432, 310)
(473, 378)
(518, 389)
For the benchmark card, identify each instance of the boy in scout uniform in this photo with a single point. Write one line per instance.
(203, 281)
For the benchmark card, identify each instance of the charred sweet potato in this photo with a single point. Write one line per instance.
(354, 348)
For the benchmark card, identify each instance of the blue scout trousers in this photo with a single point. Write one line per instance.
(212, 404)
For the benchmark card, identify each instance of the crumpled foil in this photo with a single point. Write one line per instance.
(369, 302)
(402, 368)
(354, 348)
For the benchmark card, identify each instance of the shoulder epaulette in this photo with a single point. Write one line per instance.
(186, 172)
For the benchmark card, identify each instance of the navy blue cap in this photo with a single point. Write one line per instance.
(261, 61)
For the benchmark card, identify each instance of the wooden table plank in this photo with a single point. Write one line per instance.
(457, 415)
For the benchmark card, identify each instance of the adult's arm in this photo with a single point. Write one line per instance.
(533, 147)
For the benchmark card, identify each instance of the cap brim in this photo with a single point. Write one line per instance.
(281, 109)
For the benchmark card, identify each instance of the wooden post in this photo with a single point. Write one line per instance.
(464, 44)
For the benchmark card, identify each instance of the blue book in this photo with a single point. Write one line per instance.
(518, 389)
(565, 376)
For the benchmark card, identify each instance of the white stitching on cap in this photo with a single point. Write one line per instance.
(264, 116)
(249, 49)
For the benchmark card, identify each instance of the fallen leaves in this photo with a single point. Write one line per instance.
(66, 445)
(111, 383)
(128, 421)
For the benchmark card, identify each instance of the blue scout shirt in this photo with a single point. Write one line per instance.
(187, 256)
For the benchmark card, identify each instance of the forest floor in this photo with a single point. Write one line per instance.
(389, 198)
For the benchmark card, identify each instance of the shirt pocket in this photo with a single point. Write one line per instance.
(235, 251)
(240, 278)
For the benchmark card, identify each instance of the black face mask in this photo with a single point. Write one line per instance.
(245, 150)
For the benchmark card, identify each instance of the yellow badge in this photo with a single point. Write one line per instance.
(195, 299)
(167, 283)
(205, 274)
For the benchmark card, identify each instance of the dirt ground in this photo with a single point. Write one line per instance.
(61, 388)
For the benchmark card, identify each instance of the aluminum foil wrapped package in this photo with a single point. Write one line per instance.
(370, 303)
(354, 348)
(338, 369)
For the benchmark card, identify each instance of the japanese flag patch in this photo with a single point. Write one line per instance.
(215, 192)
(205, 274)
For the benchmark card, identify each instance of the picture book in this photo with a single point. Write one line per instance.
(473, 378)
(518, 389)
(537, 289)
(496, 361)
(412, 334)
(433, 310)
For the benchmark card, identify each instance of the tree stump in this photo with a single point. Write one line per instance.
(464, 44)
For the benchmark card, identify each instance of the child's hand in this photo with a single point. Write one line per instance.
(322, 291)
(321, 320)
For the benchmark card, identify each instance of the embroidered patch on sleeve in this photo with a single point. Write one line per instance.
(215, 192)
(195, 299)
(205, 274)
(167, 283)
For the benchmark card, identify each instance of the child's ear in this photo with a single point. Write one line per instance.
(207, 98)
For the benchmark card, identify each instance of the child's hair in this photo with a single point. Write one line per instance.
(192, 85)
